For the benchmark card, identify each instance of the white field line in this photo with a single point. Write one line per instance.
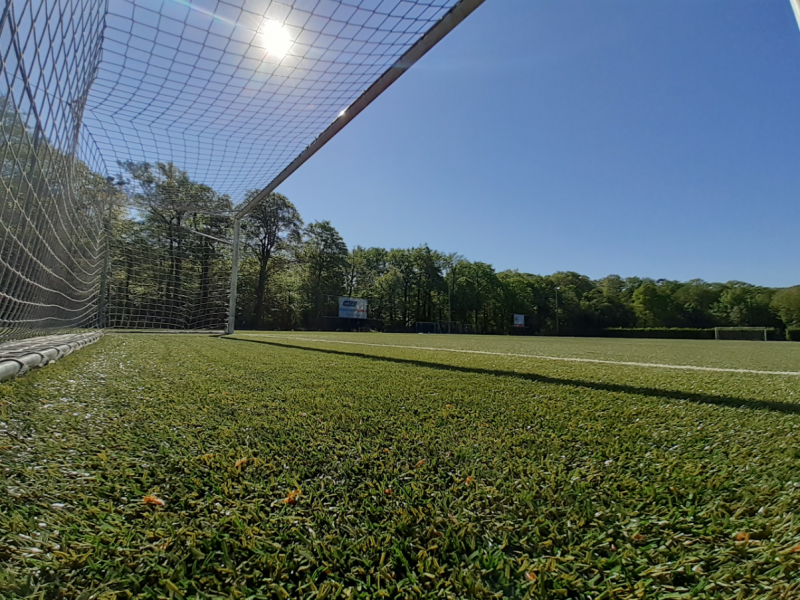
(534, 356)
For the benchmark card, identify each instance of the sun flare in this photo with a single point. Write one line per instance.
(275, 38)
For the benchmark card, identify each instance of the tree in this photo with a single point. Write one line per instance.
(428, 265)
(165, 195)
(696, 299)
(477, 283)
(272, 226)
(517, 297)
(176, 256)
(572, 288)
(653, 305)
(402, 264)
(786, 304)
(323, 255)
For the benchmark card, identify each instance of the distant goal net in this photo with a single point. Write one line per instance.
(428, 327)
(457, 327)
(756, 334)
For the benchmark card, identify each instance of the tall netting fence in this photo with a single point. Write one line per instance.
(135, 131)
(51, 195)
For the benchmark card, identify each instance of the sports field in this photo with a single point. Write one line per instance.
(311, 465)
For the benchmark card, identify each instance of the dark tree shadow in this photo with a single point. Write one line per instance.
(719, 400)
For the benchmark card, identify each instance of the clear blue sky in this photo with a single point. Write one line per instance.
(656, 138)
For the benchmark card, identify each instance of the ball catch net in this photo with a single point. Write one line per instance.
(52, 190)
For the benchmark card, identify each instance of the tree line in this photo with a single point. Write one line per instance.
(170, 264)
(291, 271)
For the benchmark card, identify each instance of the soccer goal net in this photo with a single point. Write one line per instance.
(457, 327)
(760, 334)
(135, 136)
(428, 327)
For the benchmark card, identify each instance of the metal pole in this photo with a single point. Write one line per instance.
(234, 277)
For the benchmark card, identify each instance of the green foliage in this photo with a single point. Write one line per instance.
(51, 226)
(793, 335)
(168, 265)
(423, 474)
(786, 303)
(273, 227)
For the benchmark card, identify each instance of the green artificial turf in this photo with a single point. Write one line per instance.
(421, 473)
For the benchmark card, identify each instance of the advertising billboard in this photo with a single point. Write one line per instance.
(519, 320)
(352, 308)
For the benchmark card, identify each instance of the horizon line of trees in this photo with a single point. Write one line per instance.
(291, 270)
(171, 262)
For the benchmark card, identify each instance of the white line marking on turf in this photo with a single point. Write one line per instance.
(535, 356)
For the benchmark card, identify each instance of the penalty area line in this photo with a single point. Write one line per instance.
(534, 356)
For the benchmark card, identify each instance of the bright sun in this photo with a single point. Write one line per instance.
(275, 38)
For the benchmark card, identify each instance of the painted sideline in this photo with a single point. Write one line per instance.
(535, 356)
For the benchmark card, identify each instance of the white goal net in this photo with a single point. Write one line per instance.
(759, 334)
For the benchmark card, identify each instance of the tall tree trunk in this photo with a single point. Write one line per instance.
(126, 305)
(419, 290)
(258, 309)
(205, 276)
(405, 304)
(178, 277)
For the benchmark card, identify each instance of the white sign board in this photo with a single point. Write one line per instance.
(352, 308)
(519, 320)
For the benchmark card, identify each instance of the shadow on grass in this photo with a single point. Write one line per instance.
(729, 401)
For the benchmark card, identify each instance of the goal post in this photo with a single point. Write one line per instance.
(759, 334)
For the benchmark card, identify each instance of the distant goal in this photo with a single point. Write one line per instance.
(756, 334)
(428, 327)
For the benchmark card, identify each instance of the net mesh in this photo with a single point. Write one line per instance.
(170, 265)
(131, 130)
(51, 197)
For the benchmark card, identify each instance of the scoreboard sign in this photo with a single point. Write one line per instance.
(352, 308)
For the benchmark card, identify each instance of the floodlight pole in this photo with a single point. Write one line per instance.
(237, 226)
